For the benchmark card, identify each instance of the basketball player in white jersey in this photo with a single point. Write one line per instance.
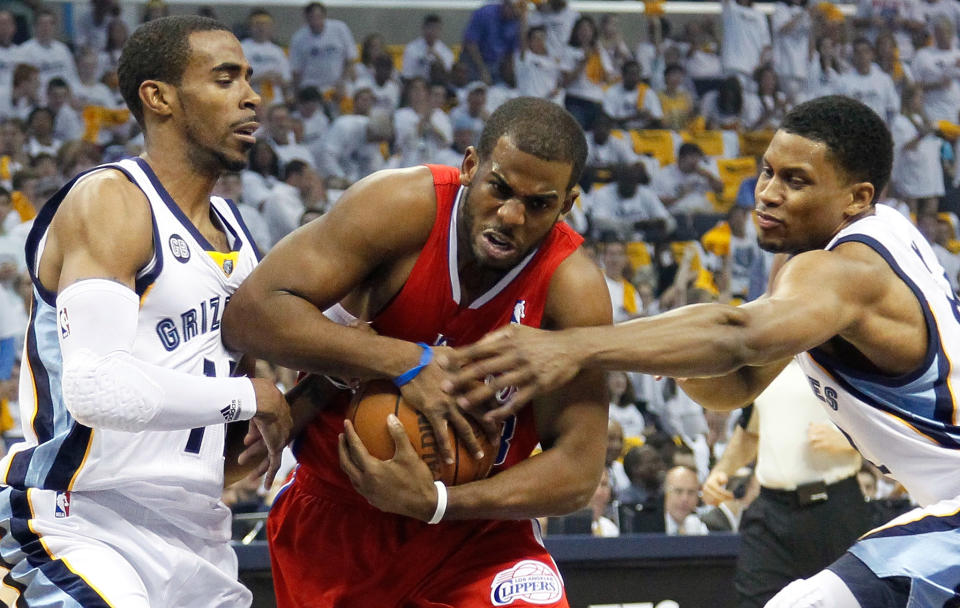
(113, 499)
(868, 312)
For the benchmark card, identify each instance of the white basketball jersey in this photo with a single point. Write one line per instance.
(907, 425)
(183, 291)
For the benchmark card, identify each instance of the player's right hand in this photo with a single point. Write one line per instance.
(715, 488)
(440, 409)
(270, 426)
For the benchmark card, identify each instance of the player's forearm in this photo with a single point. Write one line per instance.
(699, 340)
(286, 329)
(550, 483)
(740, 451)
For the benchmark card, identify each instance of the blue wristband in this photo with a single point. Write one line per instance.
(425, 358)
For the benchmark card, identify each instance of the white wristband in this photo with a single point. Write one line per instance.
(441, 503)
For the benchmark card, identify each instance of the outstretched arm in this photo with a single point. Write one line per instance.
(817, 295)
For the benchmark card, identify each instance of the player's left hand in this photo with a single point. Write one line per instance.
(402, 485)
(515, 358)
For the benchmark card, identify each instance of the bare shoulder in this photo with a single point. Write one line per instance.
(394, 205)
(104, 217)
(578, 294)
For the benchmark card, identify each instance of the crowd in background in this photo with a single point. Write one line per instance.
(676, 126)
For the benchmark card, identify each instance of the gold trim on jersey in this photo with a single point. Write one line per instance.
(924, 513)
(953, 396)
(86, 452)
(226, 261)
(145, 292)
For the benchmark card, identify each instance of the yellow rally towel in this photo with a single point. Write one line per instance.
(23, 206)
(95, 117)
(630, 297)
(717, 239)
(594, 70)
(642, 89)
(5, 174)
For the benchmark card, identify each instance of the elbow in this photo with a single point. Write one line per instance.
(730, 344)
(109, 392)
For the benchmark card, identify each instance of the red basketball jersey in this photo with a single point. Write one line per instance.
(428, 309)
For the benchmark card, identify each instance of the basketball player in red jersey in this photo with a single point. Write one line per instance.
(438, 256)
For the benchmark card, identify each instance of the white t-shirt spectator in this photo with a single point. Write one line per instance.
(790, 46)
(9, 58)
(608, 210)
(281, 211)
(670, 182)
(52, 60)
(892, 12)
(319, 59)
(620, 103)
(386, 96)
(414, 147)
(267, 57)
(930, 66)
(745, 34)
(875, 89)
(559, 26)
(346, 153)
(538, 75)
(917, 172)
(418, 57)
(582, 86)
(617, 150)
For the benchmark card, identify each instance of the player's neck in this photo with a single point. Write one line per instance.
(189, 187)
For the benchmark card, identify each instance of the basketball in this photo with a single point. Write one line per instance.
(378, 398)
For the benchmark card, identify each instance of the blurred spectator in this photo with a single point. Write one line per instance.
(89, 90)
(40, 137)
(557, 19)
(300, 189)
(475, 110)
(491, 34)
(826, 68)
(645, 469)
(616, 270)
(623, 406)
(93, 23)
(676, 100)
(67, 124)
(599, 506)
(230, 187)
(422, 128)
(917, 176)
(271, 68)
(321, 51)
(25, 94)
(108, 57)
(746, 39)
(677, 516)
(506, 89)
(938, 233)
(728, 107)
(903, 17)
(280, 132)
(629, 208)
(792, 35)
(77, 156)
(586, 72)
(51, 57)
(538, 72)
(427, 56)
(9, 55)
(13, 149)
(809, 508)
(154, 9)
(262, 173)
(937, 69)
(312, 119)
(612, 44)
(771, 102)
(702, 62)
(463, 136)
(632, 103)
(868, 83)
(613, 461)
(382, 84)
(606, 152)
(888, 58)
(683, 186)
(733, 243)
(354, 147)
(374, 45)
(13, 321)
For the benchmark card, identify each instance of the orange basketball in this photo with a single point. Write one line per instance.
(378, 398)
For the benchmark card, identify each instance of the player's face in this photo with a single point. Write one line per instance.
(802, 199)
(215, 102)
(513, 201)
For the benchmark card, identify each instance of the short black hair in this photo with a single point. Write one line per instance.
(431, 19)
(688, 149)
(320, 5)
(158, 50)
(538, 127)
(856, 138)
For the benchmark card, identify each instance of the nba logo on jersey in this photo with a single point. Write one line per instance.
(519, 311)
(63, 505)
(179, 248)
(529, 581)
(64, 324)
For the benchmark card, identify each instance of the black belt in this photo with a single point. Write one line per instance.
(811, 493)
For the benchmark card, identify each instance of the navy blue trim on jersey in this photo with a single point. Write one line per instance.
(69, 458)
(43, 420)
(924, 525)
(176, 210)
(934, 429)
(243, 226)
(42, 222)
(53, 569)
